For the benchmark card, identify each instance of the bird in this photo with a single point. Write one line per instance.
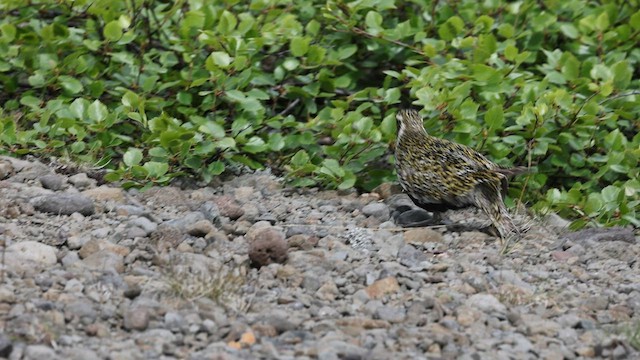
(440, 175)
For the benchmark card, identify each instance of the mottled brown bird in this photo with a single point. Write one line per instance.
(438, 174)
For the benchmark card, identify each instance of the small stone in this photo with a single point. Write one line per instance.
(6, 346)
(52, 182)
(63, 204)
(144, 223)
(410, 256)
(210, 211)
(7, 295)
(386, 190)
(94, 245)
(383, 287)
(82, 181)
(6, 169)
(302, 241)
(229, 207)
(486, 303)
(98, 330)
(105, 259)
(586, 351)
(174, 321)
(200, 228)
(328, 291)
(136, 319)
(37, 352)
(269, 246)
(392, 314)
(377, 210)
(421, 236)
(132, 292)
(106, 193)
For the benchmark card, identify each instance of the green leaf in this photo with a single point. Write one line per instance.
(7, 32)
(132, 157)
(70, 84)
(97, 111)
(78, 108)
(299, 45)
(300, 159)
(156, 169)
(634, 21)
(216, 168)
(218, 59)
(494, 117)
(602, 21)
(112, 30)
(30, 101)
(373, 20)
(130, 99)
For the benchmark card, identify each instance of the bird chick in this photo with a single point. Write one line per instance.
(439, 175)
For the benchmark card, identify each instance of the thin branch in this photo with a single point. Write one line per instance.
(631, 93)
(289, 107)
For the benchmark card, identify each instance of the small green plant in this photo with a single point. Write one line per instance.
(633, 335)
(222, 284)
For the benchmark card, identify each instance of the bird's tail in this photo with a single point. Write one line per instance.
(498, 214)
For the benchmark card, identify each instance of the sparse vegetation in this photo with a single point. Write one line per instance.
(155, 90)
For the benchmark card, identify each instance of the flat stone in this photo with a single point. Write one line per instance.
(377, 210)
(383, 287)
(27, 253)
(486, 303)
(52, 181)
(420, 236)
(63, 204)
(106, 193)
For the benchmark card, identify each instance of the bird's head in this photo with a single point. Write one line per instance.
(408, 120)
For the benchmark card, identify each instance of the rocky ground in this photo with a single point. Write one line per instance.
(252, 269)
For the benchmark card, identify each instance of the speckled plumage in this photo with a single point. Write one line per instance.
(438, 174)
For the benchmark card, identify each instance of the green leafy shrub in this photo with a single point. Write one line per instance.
(154, 90)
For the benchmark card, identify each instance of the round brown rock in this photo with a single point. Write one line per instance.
(269, 246)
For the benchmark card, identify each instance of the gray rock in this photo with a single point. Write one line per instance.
(78, 353)
(24, 254)
(487, 304)
(38, 352)
(104, 259)
(143, 223)
(6, 346)
(137, 318)
(6, 169)
(75, 242)
(200, 228)
(63, 204)
(52, 182)
(175, 322)
(210, 211)
(410, 256)
(82, 181)
(392, 314)
(615, 233)
(187, 220)
(377, 210)
(80, 310)
(229, 207)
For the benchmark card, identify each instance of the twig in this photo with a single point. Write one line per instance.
(634, 92)
(289, 107)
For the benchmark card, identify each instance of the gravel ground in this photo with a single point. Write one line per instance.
(252, 269)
